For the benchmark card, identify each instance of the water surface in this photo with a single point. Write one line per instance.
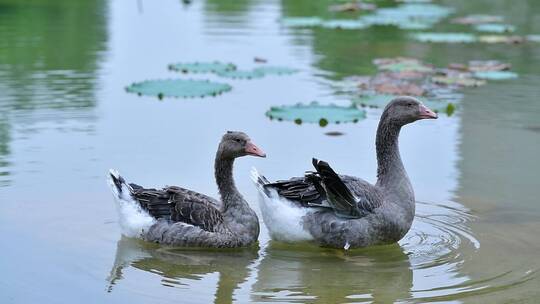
(65, 119)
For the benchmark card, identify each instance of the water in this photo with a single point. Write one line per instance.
(65, 119)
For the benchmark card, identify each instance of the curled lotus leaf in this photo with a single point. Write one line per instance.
(301, 21)
(501, 39)
(496, 75)
(316, 113)
(488, 65)
(402, 64)
(495, 28)
(275, 70)
(241, 74)
(445, 37)
(478, 19)
(183, 88)
(344, 24)
(201, 67)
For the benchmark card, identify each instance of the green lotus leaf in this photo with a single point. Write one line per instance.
(301, 21)
(275, 70)
(445, 37)
(202, 67)
(495, 28)
(496, 75)
(381, 100)
(478, 19)
(178, 88)
(458, 81)
(344, 24)
(241, 74)
(316, 113)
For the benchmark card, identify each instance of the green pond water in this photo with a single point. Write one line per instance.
(65, 119)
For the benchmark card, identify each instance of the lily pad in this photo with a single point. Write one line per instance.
(352, 7)
(202, 67)
(402, 64)
(495, 28)
(316, 113)
(478, 19)
(344, 24)
(381, 100)
(458, 81)
(444, 37)
(241, 74)
(533, 38)
(178, 88)
(496, 75)
(275, 70)
(501, 39)
(301, 21)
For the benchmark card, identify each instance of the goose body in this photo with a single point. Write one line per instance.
(343, 211)
(181, 217)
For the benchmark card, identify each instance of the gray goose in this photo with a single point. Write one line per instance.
(343, 211)
(180, 217)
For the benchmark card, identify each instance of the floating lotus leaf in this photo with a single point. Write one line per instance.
(178, 88)
(444, 37)
(352, 7)
(487, 65)
(275, 70)
(301, 21)
(316, 113)
(241, 74)
(417, 11)
(495, 28)
(402, 64)
(458, 81)
(202, 67)
(496, 75)
(501, 39)
(478, 19)
(344, 24)
(381, 100)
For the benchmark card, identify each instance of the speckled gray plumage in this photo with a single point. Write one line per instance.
(190, 219)
(392, 195)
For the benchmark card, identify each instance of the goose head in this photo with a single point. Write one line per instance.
(404, 110)
(237, 144)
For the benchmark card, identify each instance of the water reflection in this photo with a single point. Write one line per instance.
(176, 267)
(381, 274)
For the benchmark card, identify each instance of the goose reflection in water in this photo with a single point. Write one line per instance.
(176, 264)
(380, 274)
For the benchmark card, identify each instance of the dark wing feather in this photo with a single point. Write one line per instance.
(177, 204)
(347, 196)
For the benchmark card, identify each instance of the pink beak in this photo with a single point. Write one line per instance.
(252, 149)
(427, 113)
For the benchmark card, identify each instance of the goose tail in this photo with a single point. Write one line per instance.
(260, 181)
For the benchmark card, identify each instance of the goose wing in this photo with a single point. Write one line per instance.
(178, 204)
(348, 196)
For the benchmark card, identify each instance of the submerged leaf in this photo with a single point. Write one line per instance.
(496, 75)
(202, 67)
(316, 113)
(444, 37)
(178, 88)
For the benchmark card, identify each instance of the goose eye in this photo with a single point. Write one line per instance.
(238, 140)
(410, 104)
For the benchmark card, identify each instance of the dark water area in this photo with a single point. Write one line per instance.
(65, 119)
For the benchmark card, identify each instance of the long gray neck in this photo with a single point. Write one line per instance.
(391, 174)
(224, 178)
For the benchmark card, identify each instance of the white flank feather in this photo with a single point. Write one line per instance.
(281, 216)
(132, 218)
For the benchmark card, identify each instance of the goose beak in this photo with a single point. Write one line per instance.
(252, 149)
(426, 113)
